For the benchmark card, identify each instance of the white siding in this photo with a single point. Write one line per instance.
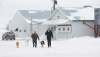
(78, 30)
(18, 22)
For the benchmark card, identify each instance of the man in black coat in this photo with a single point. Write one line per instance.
(49, 35)
(34, 37)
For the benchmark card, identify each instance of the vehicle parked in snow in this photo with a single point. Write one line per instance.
(8, 36)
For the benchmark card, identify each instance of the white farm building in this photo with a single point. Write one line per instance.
(64, 22)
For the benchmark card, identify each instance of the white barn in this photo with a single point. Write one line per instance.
(65, 23)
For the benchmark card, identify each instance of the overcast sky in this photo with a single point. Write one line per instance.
(8, 7)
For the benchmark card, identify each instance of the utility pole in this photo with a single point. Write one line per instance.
(31, 25)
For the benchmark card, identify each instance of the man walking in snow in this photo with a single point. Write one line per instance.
(34, 37)
(49, 35)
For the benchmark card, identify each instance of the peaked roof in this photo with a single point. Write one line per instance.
(38, 14)
(61, 14)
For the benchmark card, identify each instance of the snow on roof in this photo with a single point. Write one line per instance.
(41, 17)
(37, 14)
(61, 14)
(73, 13)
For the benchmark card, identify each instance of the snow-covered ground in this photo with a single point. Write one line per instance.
(76, 47)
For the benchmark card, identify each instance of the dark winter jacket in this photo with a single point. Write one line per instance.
(34, 36)
(49, 34)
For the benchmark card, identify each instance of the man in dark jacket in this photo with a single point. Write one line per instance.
(49, 35)
(34, 39)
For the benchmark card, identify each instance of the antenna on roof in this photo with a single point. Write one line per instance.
(54, 4)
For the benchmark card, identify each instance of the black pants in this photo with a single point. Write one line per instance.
(34, 43)
(49, 42)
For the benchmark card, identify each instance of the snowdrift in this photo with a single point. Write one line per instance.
(76, 47)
